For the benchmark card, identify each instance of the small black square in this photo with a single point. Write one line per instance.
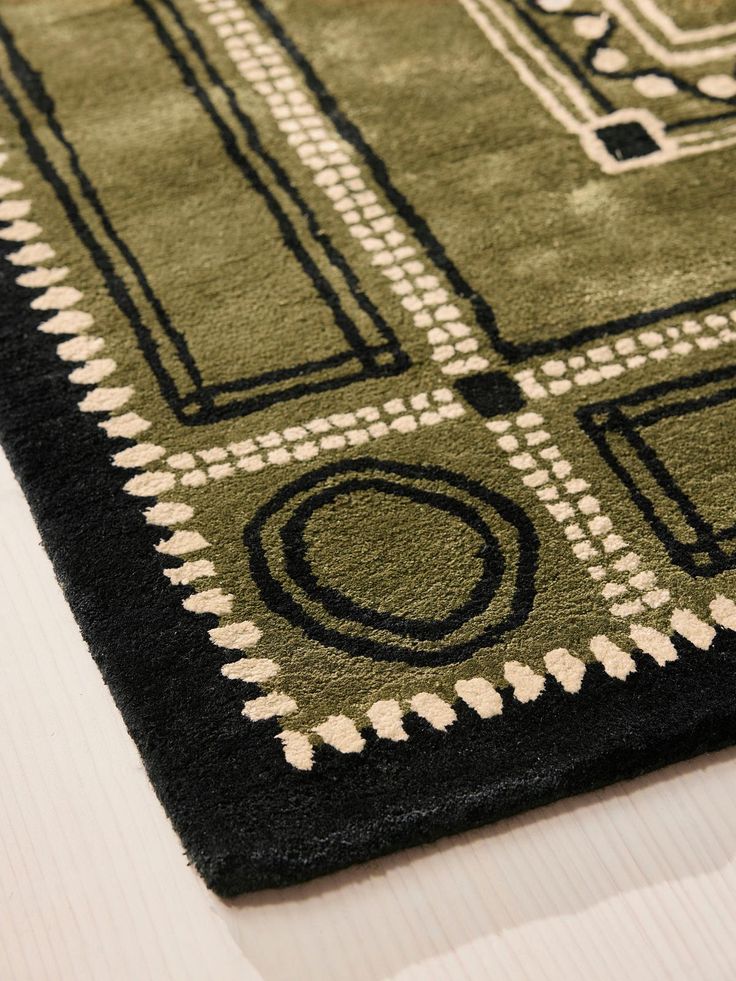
(492, 394)
(625, 141)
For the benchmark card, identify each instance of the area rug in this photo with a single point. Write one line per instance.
(369, 369)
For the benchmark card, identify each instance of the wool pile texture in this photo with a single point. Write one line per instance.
(369, 369)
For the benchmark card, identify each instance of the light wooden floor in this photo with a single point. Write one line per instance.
(635, 882)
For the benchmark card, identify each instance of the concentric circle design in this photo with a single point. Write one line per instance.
(502, 555)
(299, 568)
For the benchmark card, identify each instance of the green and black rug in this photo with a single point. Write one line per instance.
(369, 368)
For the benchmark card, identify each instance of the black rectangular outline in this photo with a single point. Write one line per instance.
(198, 406)
(603, 417)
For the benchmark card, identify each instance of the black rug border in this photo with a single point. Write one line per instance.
(248, 820)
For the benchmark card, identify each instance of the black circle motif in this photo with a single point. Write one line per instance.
(449, 494)
(300, 570)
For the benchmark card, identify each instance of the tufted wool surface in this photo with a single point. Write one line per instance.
(369, 369)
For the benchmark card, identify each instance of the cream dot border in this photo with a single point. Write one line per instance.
(608, 559)
(80, 349)
(604, 362)
(297, 443)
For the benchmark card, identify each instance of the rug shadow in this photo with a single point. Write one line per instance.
(666, 826)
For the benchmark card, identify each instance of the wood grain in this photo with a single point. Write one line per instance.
(635, 882)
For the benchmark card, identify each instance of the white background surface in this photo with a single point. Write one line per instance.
(635, 882)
